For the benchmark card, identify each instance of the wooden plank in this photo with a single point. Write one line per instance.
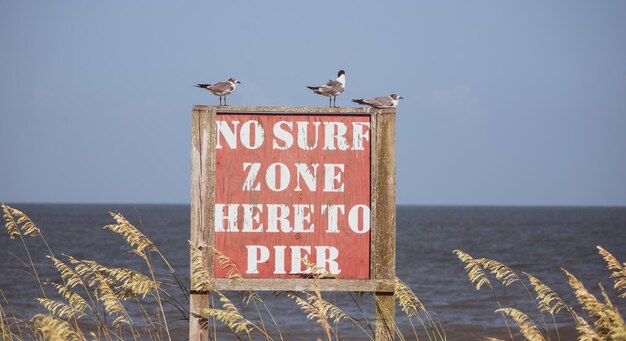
(384, 195)
(383, 285)
(384, 326)
(199, 330)
(384, 218)
(209, 132)
(195, 181)
(291, 110)
(373, 194)
(197, 302)
(202, 198)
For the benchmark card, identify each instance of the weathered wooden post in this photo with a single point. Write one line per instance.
(273, 186)
(384, 217)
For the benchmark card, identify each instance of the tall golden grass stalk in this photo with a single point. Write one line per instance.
(250, 296)
(68, 275)
(503, 273)
(199, 273)
(23, 222)
(135, 238)
(607, 321)
(478, 278)
(547, 301)
(55, 329)
(5, 326)
(20, 227)
(618, 271)
(74, 299)
(233, 273)
(9, 222)
(391, 328)
(585, 331)
(475, 272)
(11, 323)
(507, 276)
(527, 326)
(408, 301)
(111, 286)
(71, 280)
(99, 288)
(321, 311)
(232, 318)
(60, 309)
(412, 307)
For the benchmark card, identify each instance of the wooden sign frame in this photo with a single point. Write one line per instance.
(382, 204)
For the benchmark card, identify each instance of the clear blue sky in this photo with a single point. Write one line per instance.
(506, 103)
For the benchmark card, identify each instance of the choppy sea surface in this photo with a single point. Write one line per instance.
(536, 240)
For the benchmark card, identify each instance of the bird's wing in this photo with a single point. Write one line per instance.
(383, 101)
(334, 87)
(376, 102)
(221, 86)
(333, 83)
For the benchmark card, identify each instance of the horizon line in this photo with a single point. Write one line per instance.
(397, 204)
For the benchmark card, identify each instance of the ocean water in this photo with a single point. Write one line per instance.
(539, 241)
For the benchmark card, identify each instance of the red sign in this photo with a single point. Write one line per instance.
(290, 188)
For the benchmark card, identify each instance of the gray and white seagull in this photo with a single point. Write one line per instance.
(390, 101)
(332, 89)
(221, 89)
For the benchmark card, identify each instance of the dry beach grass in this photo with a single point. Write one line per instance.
(90, 300)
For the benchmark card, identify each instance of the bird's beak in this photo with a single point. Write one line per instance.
(400, 97)
(238, 82)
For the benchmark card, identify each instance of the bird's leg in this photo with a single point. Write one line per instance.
(225, 101)
(220, 101)
(330, 101)
(334, 101)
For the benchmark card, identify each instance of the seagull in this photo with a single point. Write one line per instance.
(332, 89)
(390, 101)
(221, 89)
